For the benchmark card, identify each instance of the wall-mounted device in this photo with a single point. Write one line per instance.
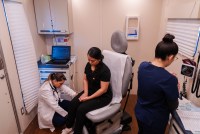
(60, 40)
(132, 27)
(188, 67)
(187, 70)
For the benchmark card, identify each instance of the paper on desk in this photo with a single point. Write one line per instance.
(187, 105)
(190, 120)
(183, 101)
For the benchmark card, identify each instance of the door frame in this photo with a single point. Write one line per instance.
(2, 60)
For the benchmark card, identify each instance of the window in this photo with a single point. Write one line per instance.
(186, 35)
(24, 53)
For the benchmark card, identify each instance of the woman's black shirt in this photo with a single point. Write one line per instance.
(101, 73)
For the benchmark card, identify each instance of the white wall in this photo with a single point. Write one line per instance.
(96, 20)
(183, 8)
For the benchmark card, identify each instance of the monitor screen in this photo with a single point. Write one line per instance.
(187, 70)
(61, 52)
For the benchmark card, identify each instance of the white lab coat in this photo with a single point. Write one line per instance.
(48, 104)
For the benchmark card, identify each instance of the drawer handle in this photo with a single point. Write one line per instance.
(45, 31)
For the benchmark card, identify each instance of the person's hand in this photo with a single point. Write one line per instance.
(82, 96)
(84, 99)
(178, 85)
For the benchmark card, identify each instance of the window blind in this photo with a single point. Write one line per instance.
(24, 53)
(186, 34)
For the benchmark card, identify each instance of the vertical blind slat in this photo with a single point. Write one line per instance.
(24, 52)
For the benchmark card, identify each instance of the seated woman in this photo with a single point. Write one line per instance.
(96, 92)
(52, 110)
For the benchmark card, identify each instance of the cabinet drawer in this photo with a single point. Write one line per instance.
(44, 73)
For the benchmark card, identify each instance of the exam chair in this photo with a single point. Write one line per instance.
(111, 119)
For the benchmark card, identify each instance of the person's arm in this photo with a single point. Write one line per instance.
(99, 92)
(85, 88)
(47, 96)
(104, 84)
(68, 91)
(171, 93)
(172, 105)
(104, 77)
(178, 85)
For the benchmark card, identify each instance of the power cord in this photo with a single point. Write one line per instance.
(195, 86)
(183, 93)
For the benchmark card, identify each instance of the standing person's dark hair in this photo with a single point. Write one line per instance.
(166, 47)
(157, 89)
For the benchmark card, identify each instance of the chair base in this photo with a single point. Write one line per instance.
(126, 128)
(111, 126)
(126, 119)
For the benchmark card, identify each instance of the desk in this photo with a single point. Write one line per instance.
(68, 70)
(176, 124)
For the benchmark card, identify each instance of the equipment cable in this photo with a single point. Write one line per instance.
(195, 86)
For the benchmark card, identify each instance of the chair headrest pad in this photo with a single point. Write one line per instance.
(118, 42)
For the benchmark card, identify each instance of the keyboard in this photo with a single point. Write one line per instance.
(58, 62)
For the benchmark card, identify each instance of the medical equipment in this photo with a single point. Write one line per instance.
(187, 69)
(132, 27)
(60, 40)
(55, 92)
(183, 93)
(196, 81)
(197, 85)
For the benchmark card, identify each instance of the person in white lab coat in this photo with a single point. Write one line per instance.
(52, 110)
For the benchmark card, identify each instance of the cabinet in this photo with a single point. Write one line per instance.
(53, 16)
(68, 70)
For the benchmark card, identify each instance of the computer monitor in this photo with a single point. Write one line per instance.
(61, 52)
